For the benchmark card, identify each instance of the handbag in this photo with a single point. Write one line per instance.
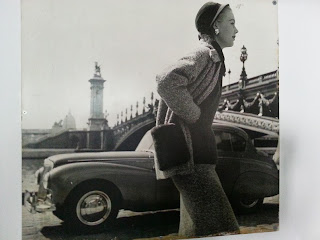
(170, 145)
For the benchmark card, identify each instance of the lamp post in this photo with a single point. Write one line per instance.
(229, 75)
(243, 58)
(137, 107)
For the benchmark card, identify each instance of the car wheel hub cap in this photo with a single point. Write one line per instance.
(93, 208)
(248, 203)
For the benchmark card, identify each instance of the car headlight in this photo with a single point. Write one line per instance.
(48, 164)
(45, 180)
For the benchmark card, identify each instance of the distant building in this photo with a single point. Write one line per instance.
(69, 122)
(30, 136)
(56, 127)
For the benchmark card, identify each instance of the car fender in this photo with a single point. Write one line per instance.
(136, 185)
(256, 183)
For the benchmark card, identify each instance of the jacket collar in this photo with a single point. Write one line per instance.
(217, 47)
(214, 45)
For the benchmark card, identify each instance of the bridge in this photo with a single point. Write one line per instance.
(252, 106)
(258, 125)
(255, 125)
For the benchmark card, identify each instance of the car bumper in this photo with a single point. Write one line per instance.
(36, 205)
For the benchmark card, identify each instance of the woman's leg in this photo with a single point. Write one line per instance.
(204, 207)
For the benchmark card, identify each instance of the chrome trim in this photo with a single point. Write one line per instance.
(107, 159)
(45, 180)
(93, 208)
(34, 204)
(246, 203)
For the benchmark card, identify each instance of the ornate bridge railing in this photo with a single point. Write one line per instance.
(254, 107)
(253, 122)
(258, 80)
(121, 131)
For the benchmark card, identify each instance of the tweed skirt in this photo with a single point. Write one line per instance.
(204, 206)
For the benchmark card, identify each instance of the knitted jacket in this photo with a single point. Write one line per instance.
(182, 88)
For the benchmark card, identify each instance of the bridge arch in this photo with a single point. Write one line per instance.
(130, 140)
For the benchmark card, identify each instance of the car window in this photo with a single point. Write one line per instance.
(238, 143)
(146, 143)
(223, 141)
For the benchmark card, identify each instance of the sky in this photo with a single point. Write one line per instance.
(132, 41)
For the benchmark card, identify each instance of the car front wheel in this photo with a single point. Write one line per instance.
(91, 208)
(243, 205)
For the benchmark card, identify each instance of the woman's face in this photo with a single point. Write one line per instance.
(227, 29)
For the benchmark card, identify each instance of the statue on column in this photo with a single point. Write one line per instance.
(97, 69)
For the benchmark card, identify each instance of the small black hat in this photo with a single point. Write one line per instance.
(206, 16)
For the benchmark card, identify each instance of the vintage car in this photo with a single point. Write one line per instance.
(87, 190)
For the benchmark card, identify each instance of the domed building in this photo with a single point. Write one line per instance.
(69, 122)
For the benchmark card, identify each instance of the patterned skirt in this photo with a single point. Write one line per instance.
(204, 206)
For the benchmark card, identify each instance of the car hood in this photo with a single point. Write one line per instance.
(62, 159)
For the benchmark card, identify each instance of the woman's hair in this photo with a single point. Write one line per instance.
(209, 35)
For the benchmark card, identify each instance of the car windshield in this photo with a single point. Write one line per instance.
(146, 143)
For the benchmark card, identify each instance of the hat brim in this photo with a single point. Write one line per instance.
(218, 12)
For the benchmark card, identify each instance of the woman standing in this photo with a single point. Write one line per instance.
(190, 91)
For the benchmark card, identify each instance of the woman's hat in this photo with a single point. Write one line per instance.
(207, 15)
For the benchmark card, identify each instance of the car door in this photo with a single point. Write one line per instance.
(231, 148)
(167, 194)
(137, 181)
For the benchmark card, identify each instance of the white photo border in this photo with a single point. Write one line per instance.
(299, 131)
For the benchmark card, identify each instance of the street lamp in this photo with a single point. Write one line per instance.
(229, 75)
(243, 58)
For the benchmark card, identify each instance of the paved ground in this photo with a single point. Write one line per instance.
(131, 225)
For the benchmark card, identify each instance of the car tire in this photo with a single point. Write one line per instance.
(92, 207)
(245, 206)
(59, 212)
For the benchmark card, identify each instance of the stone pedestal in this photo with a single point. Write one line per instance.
(97, 120)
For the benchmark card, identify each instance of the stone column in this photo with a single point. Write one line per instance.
(96, 119)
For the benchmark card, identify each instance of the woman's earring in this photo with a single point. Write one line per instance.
(216, 31)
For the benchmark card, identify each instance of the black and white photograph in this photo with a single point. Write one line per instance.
(46, 135)
(149, 119)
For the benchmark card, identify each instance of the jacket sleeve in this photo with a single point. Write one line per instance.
(173, 83)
